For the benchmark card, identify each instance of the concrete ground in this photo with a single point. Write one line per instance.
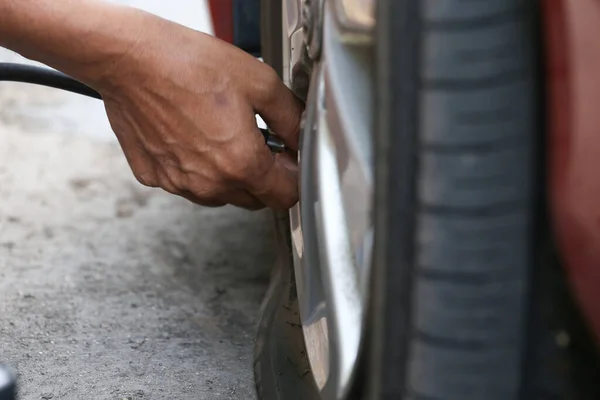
(109, 290)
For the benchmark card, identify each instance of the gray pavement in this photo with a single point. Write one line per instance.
(109, 290)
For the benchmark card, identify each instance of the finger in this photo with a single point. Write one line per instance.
(191, 197)
(168, 186)
(279, 108)
(243, 199)
(211, 203)
(277, 187)
(289, 161)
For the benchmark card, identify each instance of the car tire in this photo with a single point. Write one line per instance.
(281, 367)
(467, 300)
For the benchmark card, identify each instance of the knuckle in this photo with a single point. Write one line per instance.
(260, 170)
(269, 82)
(207, 192)
(290, 202)
(146, 178)
(170, 175)
(176, 179)
(239, 167)
(168, 161)
(165, 183)
(271, 77)
(285, 203)
(210, 199)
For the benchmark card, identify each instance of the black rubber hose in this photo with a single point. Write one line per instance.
(10, 72)
(46, 77)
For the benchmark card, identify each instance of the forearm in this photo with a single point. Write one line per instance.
(84, 38)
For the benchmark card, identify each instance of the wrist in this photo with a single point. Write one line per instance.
(7, 15)
(87, 39)
(112, 45)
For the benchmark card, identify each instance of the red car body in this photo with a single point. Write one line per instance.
(571, 34)
(222, 16)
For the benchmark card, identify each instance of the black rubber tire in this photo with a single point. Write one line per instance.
(281, 367)
(456, 199)
(469, 300)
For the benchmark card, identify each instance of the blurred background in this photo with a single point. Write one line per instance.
(109, 290)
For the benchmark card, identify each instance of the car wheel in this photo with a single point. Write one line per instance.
(465, 297)
(281, 367)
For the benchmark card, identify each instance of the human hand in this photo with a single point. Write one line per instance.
(182, 105)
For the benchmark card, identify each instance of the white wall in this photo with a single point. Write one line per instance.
(75, 114)
(191, 13)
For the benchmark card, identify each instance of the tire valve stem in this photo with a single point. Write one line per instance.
(275, 144)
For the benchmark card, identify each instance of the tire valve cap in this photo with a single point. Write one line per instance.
(275, 144)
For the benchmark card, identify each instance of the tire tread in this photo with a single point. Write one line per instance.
(474, 222)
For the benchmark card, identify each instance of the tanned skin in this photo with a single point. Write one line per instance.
(181, 103)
